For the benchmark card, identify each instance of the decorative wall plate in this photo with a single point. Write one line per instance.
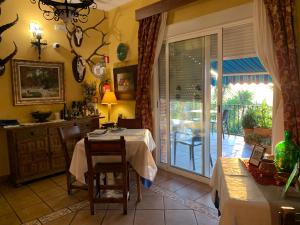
(99, 71)
(122, 51)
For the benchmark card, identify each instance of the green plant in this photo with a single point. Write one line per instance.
(249, 119)
(264, 116)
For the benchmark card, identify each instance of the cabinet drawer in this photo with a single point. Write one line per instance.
(30, 133)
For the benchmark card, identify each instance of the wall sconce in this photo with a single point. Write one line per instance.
(37, 42)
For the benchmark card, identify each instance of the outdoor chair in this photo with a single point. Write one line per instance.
(225, 125)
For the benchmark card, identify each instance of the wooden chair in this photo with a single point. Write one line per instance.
(133, 124)
(288, 216)
(130, 123)
(107, 148)
(69, 137)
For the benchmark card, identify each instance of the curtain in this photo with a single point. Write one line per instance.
(147, 40)
(280, 15)
(266, 53)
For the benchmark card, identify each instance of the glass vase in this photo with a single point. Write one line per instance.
(286, 154)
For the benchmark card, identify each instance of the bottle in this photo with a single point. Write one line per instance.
(286, 154)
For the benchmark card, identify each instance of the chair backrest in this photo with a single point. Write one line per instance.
(288, 216)
(69, 136)
(225, 116)
(104, 148)
(130, 123)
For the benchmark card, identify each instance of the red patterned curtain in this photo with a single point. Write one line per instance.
(281, 15)
(148, 34)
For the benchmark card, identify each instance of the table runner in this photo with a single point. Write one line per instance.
(139, 145)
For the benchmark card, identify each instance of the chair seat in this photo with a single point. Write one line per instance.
(189, 142)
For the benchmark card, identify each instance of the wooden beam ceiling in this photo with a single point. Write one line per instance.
(159, 7)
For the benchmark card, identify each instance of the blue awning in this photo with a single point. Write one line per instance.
(243, 70)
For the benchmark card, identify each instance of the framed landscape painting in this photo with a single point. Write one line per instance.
(36, 82)
(125, 79)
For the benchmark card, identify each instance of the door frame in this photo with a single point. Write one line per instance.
(182, 37)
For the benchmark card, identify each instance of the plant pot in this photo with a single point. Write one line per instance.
(248, 131)
(265, 132)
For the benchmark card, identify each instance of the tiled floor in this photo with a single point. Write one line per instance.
(172, 200)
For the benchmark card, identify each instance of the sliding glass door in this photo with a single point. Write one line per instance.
(188, 117)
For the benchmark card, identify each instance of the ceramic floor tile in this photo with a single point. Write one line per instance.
(84, 217)
(51, 193)
(172, 185)
(4, 207)
(116, 217)
(130, 205)
(193, 191)
(33, 212)
(61, 201)
(80, 194)
(203, 219)
(151, 202)
(21, 202)
(172, 204)
(206, 200)
(149, 217)
(60, 179)
(9, 219)
(179, 217)
(42, 185)
(64, 220)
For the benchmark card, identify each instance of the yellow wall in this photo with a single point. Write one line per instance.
(21, 35)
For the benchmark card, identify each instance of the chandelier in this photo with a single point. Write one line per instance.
(66, 10)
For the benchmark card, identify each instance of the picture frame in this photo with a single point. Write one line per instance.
(125, 81)
(257, 154)
(36, 82)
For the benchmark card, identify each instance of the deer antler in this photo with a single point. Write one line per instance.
(95, 52)
(95, 26)
(7, 26)
(6, 59)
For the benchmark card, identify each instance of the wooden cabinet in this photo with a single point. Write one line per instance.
(36, 151)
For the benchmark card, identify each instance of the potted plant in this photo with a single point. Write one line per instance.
(248, 122)
(264, 120)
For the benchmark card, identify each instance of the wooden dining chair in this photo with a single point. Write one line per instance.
(288, 216)
(69, 137)
(130, 123)
(106, 148)
(133, 124)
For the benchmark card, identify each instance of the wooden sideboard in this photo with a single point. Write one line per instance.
(36, 151)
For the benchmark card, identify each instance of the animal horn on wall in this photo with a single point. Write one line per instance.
(6, 59)
(7, 26)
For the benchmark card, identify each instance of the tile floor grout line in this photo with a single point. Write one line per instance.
(195, 217)
(134, 214)
(75, 214)
(14, 211)
(165, 222)
(105, 214)
(53, 210)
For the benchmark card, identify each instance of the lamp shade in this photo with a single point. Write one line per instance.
(109, 98)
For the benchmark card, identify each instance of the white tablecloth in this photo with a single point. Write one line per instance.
(242, 200)
(139, 145)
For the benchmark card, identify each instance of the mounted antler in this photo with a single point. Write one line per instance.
(7, 26)
(6, 59)
(76, 33)
(2, 29)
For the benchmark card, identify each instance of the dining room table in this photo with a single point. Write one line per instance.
(139, 146)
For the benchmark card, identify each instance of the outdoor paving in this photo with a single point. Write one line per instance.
(233, 147)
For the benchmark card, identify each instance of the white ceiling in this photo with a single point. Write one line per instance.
(110, 4)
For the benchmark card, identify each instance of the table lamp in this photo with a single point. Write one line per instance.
(109, 98)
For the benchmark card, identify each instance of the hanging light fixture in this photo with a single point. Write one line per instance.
(66, 10)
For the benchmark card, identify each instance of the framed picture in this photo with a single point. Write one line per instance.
(258, 152)
(125, 79)
(36, 82)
